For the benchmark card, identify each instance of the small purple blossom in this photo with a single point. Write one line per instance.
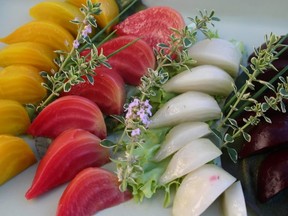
(135, 132)
(87, 30)
(148, 107)
(139, 111)
(76, 44)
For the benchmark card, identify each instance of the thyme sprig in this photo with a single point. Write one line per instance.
(73, 66)
(173, 55)
(243, 100)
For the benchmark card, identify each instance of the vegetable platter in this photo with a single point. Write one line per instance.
(242, 27)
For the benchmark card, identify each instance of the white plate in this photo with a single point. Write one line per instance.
(244, 20)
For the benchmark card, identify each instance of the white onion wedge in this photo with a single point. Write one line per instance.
(204, 78)
(199, 189)
(234, 201)
(179, 136)
(218, 52)
(188, 106)
(192, 156)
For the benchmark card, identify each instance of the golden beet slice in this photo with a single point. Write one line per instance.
(21, 83)
(14, 119)
(48, 33)
(15, 156)
(30, 53)
(58, 12)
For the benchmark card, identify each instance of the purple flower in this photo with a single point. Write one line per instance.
(76, 44)
(136, 132)
(139, 111)
(87, 30)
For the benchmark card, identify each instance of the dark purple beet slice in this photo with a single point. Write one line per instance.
(266, 136)
(273, 175)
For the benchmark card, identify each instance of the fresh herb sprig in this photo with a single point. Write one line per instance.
(72, 65)
(244, 101)
(136, 136)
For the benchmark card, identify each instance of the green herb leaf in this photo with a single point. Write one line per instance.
(232, 154)
(107, 143)
(283, 92)
(67, 87)
(187, 42)
(228, 138)
(90, 79)
(246, 136)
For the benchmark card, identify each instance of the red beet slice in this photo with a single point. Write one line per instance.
(66, 113)
(72, 151)
(133, 61)
(108, 91)
(92, 190)
(152, 24)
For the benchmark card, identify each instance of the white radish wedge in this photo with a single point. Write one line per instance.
(218, 52)
(234, 201)
(188, 106)
(199, 189)
(179, 136)
(192, 156)
(205, 78)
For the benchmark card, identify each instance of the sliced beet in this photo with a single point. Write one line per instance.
(266, 136)
(72, 151)
(133, 61)
(108, 90)
(92, 190)
(69, 112)
(152, 24)
(273, 175)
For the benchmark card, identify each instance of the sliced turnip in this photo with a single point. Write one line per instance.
(192, 156)
(204, 78)
(234, 201)
(218, 52)
(188, 106)
(179, 136)
(200, 189)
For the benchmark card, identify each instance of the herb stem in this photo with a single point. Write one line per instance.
(232, 99)
(259, 92)
(263, 61)
(237, 134)
(239, 98)
(123, 47)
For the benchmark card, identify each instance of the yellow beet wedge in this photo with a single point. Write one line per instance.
(58, 12)
(109, 9)
(30, 53)
(48, 33)
(21, 83)
(14, 119)
(15, 156)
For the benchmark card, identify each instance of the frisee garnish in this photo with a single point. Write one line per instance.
(135, 167)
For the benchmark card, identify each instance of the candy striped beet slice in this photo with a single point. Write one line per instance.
(131, 62)
(92, 190)
(107, 91)
(67, 113)
(71, 152)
